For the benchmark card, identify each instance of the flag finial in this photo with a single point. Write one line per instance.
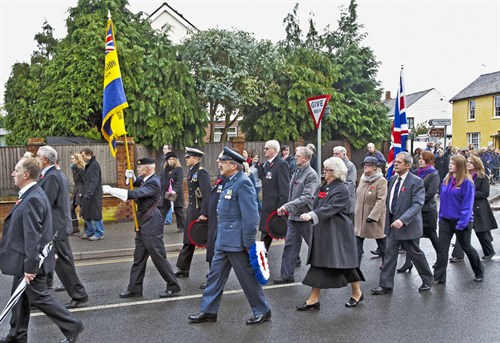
(109, 15)
(402, 67)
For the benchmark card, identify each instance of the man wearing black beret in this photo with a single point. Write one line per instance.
(149, 238)
(236, 231)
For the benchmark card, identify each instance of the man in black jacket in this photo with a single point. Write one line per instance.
(149, 238)
(91, 197)
(55, 185)
(27, 229)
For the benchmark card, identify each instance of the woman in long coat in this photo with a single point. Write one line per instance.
(78, 171)
(332, 253)
(484, 220)
(175, 176)
(370, 206)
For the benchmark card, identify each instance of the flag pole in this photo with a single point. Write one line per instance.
(131, 184)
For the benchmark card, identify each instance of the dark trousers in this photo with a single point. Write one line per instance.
(74, 218)
(430, 231)
(264, 237)
(153, 246)
(185, 257)
(37, 295)
(293, 242)
(446, 230)
(380, 244)
(485, 238)
(66, 271)
(391, 259)
(180, 216)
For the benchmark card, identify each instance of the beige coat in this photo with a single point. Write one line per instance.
(370, 203)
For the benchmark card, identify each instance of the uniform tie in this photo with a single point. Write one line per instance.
(395, 195)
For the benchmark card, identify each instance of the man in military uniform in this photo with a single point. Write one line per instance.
(236, 231)
(149, 238)
(198, 193)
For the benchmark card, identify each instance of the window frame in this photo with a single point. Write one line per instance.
(471, 110)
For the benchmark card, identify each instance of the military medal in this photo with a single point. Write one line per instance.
(228, 194)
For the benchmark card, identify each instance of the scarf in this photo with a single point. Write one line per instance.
(422, 172)
(372, 178)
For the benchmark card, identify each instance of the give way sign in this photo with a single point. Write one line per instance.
(317, 106)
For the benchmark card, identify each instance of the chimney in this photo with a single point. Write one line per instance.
(388, 95)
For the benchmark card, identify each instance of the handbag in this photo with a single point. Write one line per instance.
(169, 194)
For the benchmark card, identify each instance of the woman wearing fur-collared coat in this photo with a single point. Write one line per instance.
(370, 206)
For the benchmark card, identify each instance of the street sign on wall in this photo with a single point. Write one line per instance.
(440, 122)
(317, 106)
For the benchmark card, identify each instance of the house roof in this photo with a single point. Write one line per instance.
(187, 23)
(483, 85)
(410, 100)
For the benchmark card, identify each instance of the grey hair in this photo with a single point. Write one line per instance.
(340, 148)
(312, 147)
(49, 153)
(407, 157)
(338, 167)
(370, 145)
(305, 151)
(273, 144)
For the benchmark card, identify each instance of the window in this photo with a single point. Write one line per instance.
(411, 123)
(496, 107)
(472, 109)
(474, 138)
(232, 132)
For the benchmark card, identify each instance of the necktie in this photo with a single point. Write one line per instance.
(395, 196)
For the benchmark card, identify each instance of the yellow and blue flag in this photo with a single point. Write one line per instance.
(114, 100)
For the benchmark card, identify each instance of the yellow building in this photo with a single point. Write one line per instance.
(476, 113)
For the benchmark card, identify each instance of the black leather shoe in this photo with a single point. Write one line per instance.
(259, 319)
(456, 259)
(59, 289)
(478, 278)
(306, 307)
(353, 302)
(283, 281)
(181, 273)
(77, 303)
(74, 337)
(128, 294)
(381, 290)
(203, 286)
(487, 257)
(424, 288)
(438, 282)
(376, 252)
(405, 268)
(203, 317)
(7, 340)
(170, 293)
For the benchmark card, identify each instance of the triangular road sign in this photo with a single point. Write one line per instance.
(317, 106)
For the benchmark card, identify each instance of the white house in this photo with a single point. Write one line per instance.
(422, 106)
(165, 16)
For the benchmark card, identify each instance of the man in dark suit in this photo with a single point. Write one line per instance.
(149, 238)
(275, 183)
(27, 229)
(198, 194)
(91, 197)
(55, 185)
(238, 219)
(404, 225)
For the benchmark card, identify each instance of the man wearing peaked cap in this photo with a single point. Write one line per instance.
(149, 237)
(237, 227)
(198, 181)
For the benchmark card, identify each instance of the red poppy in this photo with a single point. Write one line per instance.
(321, 195)
(18, 201)
(403, 189)
(372, 188)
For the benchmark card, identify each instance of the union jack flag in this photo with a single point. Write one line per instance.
(110, 43)
(399, 134)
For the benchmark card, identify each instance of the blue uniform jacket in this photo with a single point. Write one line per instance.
(238, 215)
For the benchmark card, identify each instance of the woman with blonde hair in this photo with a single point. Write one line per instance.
(484, 220)
(455, 218)
(78, 171)
(332, 253)
(174, 179)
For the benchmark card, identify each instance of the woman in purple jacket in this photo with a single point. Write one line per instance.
(455, 217)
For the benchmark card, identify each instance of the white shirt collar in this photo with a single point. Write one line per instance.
(25, 188)
(44, 170)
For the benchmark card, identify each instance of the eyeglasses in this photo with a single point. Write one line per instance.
(326, 169)
(266, 148)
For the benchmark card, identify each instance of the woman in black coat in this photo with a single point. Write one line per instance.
(333, 252)
(484, 220)
(174, 177)
(78, 171)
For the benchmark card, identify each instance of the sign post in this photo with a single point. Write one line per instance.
(317, 106)
(438, 132)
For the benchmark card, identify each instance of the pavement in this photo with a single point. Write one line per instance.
(119, 237)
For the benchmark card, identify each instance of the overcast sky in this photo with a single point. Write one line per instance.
(442, 44)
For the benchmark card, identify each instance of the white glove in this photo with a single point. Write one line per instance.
(129, 174)
(119, 193)
(106, 189)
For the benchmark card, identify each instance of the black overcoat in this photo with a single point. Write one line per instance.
(484, 220)
(177, 176)
(91, 194)
(198, 193)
